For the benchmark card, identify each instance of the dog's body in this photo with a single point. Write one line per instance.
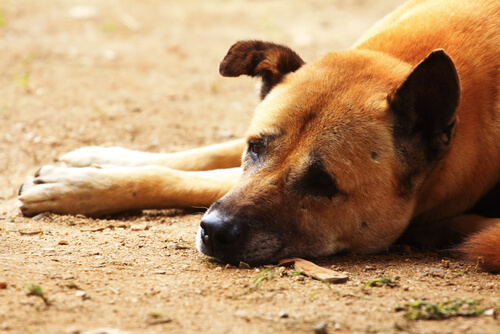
(342, 154)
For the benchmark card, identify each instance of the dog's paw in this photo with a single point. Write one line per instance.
(64, 190)
(87, 156)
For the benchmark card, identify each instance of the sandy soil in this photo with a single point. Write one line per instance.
(143, 75)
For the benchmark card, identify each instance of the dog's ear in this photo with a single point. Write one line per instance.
(267, 60)
(425, 110)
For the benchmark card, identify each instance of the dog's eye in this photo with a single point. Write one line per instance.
(255, 150)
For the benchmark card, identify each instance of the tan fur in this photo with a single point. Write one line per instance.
(475, 53)
(483, 247)
(337, 155)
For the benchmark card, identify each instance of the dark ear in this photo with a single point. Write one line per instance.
(425, 110)
(267, 60)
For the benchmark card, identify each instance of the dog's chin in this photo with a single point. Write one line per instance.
(261, 251)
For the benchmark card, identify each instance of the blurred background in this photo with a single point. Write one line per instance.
(142, 74)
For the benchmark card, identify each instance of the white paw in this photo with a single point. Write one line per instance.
(90, 155)
(66, 191)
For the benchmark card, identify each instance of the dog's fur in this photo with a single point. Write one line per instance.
(345, 153)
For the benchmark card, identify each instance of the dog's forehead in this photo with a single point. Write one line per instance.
(331, 94)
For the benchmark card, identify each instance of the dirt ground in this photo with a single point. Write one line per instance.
(144, 75)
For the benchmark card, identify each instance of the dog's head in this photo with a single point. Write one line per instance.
(336, 153)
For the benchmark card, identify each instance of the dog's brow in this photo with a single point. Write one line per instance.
(266, 137)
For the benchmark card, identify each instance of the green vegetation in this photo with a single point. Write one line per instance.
(24, 79)
(443, 310)
(3, 23)
(266, 274)
(109, 27)
(384, 281)
(34, 289)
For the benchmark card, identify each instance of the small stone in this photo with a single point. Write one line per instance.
(283, 314)
(62, 242)
(176, 246)
(490, 312)
(83, 12)
(108, 54)
(160, 272)
(31, 232)
(445, 263)
(243, 265)
(3, 285)
(320, 328)
(82, 294)
(241, 314)
(105, 331)
(226, 134)
(300, 278)
(39, 216)
(139, 227)
(401, 324)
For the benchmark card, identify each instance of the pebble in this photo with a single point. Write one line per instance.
(139, 227)
(241, 314)
(3, 285)
(62, 242)
(283, 314)
(489, 312)
(82, 294)
(244, 265)
(39, 216)
(160, 272)
(176, 246)
(105, 331)
(320, 328)
(445, 263)
(401, 324)
(83, 12)
(226, 134)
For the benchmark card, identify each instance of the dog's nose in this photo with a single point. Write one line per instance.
(217, 233)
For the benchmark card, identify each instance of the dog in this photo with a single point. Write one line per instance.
(397, 137)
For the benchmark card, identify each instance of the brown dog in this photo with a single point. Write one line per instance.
(343, 153)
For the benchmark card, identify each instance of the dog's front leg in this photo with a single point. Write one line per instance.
(223, 155)
(96, 191)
